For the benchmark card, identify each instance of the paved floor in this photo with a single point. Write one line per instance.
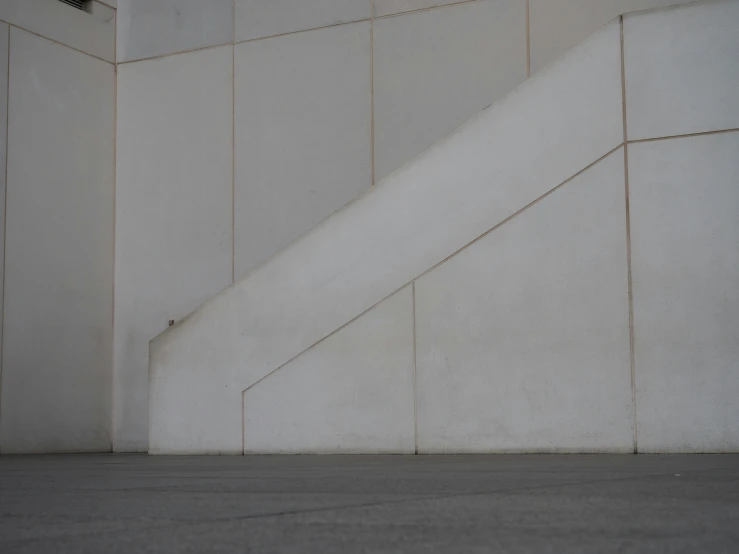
(106, 503)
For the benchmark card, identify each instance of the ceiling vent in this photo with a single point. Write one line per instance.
(79, 4)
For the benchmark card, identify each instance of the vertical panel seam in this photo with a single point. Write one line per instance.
(415, 372)
(115, 203)
(233, 141)
(628, 241)
(372, 92)
(233, 185)
(5, 228)
(528, 39)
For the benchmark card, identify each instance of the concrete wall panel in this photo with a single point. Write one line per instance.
(523, 338)
(303, 135)
(682, 69)
(685, 262)
(436, 69)
(173, 211)
(59, 250)
(352, 393)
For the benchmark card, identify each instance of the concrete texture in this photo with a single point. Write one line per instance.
(173, 212)
(58, 332)
(148, 28)
(692, 51)
(339, 504)
(435, 69)
(93, 33)
(523, 338)
(685, 265)
(351, 393)
(381, 242)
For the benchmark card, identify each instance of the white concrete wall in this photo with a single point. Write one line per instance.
(435, 69)
(173, 211)
(58, 279)
(680, 75)
(331, 96)
(523, 338)
(494, 166)
(537, 221)
(303, 111)
(316, 113)
(352, 102)
(684, 195)
(685, 225)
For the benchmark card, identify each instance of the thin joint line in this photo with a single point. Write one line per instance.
(372, 98)
(233, 163)
(331, 334)
(235, 42)
(233, 158)
(415, 372)
(686, 135)
(179, 52)
(352, 22)
(528, 40)
(506, 220)
(115, 208)
(5, 227)
(115, 203)
(526, 207)
(428, 9)
(243, 423)
(60, 43)
(628, 243)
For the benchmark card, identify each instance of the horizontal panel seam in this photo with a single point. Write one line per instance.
(300, 31)
(686, 135)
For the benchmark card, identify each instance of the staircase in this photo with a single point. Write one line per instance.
(559, 275)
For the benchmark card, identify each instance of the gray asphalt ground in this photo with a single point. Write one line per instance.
(342, 504)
